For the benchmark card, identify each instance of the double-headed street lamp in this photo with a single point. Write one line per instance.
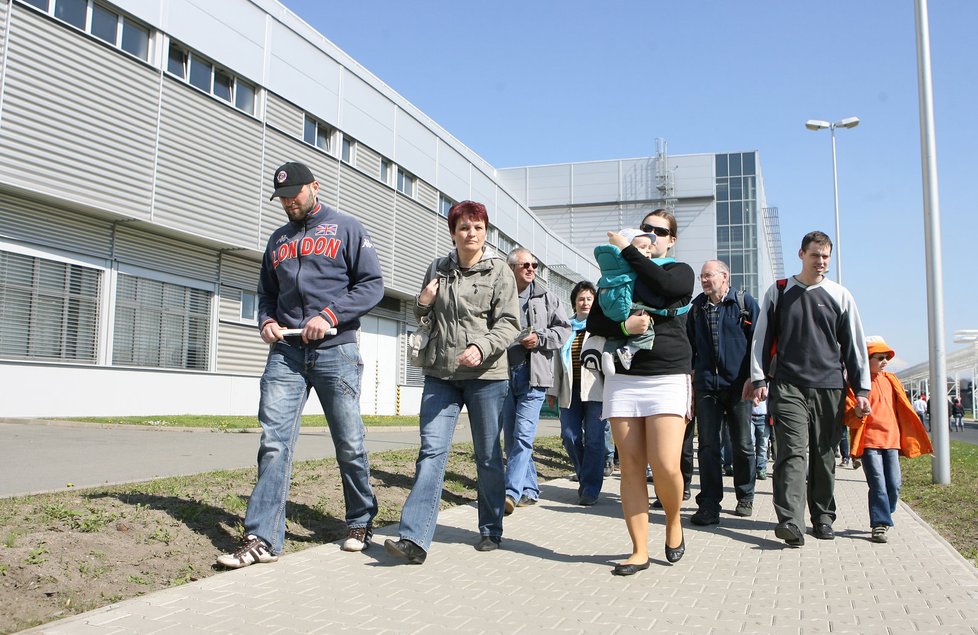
(817, 124)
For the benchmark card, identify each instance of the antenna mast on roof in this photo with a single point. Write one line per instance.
(664, 177)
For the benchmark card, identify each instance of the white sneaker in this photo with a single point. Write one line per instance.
(252, 550)
(625, 357)
(358, 539)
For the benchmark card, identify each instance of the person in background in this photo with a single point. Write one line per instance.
(957, 414)
(531, 373)
(890, 430)
(920, 407)
(762, 432)
(470, 298)
(577, 392)
(720, 332)
(324, 292)
(648, 404)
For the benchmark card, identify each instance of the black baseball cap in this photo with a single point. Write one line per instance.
(288, 179)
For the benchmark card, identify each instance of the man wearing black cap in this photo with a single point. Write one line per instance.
(319, 275)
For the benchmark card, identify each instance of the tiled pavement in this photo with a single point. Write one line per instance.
(553, 574)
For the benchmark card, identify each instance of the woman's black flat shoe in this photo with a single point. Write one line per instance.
(629, 569)
(675, 555)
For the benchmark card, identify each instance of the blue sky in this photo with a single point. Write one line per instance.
(546, 81)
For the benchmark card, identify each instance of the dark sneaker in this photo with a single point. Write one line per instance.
(657, 504)
(488, 543)
(845, 462)
(856, 464)
(704, 517)
(744, 508)
(879, 533)
(510, 506)
(253, 550)
(761, 475)
(587, 500)
(728, 471)
(823, 531)
(358, 539)
(789, 533)
(526, 501)
(687, 495)
(609, 468)
(405, 549)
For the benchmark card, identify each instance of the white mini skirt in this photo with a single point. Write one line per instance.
(646, 395)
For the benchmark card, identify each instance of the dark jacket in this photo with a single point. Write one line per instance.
(732, 368)
(325, 265)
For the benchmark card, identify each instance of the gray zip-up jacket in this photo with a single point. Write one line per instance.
(549, 322)
(477, 306)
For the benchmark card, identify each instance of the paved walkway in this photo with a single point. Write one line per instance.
(553, 574)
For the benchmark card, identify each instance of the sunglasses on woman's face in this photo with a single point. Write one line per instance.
(658, 231)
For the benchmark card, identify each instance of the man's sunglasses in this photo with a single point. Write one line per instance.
(526, 265)
(658, 231)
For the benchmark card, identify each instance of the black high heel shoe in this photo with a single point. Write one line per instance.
(674, 555)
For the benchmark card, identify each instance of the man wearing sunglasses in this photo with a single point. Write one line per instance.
(545, 328)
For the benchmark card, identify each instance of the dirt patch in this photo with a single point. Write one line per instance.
(75, 551)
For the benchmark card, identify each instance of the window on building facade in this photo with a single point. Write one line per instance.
(385, 171)
(318, 134)
(102, 22)
(444, 205)
(249, 306)
(348, 150)
(200, 72)
(49, 309)
(161, 325)
(405, 183)
(736, 222)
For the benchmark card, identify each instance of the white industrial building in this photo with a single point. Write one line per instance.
(137, 138)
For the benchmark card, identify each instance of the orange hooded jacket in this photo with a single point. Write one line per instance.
(914, 439)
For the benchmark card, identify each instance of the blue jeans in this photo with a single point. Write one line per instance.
(883, 476)
(609, 444)
(521, 413)
(441, 402)
(291, 371)
(711, 406)
(582, 431)
(844, 442)
(761, 433)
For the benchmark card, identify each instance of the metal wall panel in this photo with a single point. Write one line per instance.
(483, 190)
(217, 27)
(283, 115)
(638, 180)
(240, 349)
(82, 113)
(694, 175)
(302, 74)
(414, 249)
(453, 172)
(367, 114)
(595, 182)
(427, 196)
(415, 147)
(549, 185)
(75, 232)
(164, 253)
(368, 161)
(280, 148)
(373, 204)
(513, 180)
(205, 143)
(240, 272)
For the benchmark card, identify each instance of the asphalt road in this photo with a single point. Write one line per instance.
(53, 456)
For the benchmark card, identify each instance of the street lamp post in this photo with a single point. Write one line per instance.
(818, 124)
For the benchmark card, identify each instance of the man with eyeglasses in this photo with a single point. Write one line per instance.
(808, 344)
(320, 274)
(545, 328)
(720, 333)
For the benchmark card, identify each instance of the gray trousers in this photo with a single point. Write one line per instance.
(806, 421)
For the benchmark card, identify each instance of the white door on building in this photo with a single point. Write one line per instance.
(379, 349)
